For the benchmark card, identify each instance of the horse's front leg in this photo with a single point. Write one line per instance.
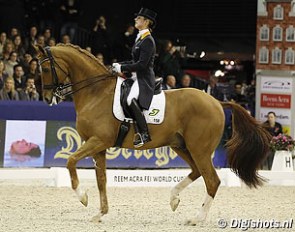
(92, 146)
(100, 170)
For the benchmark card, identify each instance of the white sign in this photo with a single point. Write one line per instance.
(283, 115)
(276, 84)
(153, 178)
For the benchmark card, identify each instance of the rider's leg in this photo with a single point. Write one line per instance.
(142, 135)
(140, 126)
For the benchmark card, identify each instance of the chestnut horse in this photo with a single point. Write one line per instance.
(193, 126)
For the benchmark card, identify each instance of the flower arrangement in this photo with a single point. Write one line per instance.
(282, 142)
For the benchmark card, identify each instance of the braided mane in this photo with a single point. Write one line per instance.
(84, 52)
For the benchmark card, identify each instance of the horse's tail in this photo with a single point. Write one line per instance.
(248, 146)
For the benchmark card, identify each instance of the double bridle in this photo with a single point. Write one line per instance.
(61, 90)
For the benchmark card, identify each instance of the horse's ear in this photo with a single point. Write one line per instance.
(39, 50)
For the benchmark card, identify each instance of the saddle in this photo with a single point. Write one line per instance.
(125, 90)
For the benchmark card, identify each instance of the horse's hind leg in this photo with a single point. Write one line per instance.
(90, 147)
(100, 170)
(174, 196)
(212, 181)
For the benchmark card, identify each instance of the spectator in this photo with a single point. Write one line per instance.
(185, 81)
(3, 40)
(250, 95)
(125, 43)
(8, 92)
(212, 88)
(41, 41)
(13, 32)
(169, 61)
(9, 64)
(47, 36)
(34, 73)
(31, 40)
(170, 82)
(26, 62)
(3, 74)
(238, 95)
(19, 78)
(18, 46)
(65, 39)
(29, 93)
(274, 128)
(7, 49)
(70, 13)
(100, 39)
(51, 42)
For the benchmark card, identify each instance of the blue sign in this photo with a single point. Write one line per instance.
(62, 140)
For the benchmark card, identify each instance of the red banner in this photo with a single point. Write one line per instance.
(275, 100)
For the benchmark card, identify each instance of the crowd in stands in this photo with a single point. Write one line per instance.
(20, 77)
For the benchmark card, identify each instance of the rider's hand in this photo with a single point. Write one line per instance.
(116, 67)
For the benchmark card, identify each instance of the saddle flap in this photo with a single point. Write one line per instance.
(156, 113)
(125, 90)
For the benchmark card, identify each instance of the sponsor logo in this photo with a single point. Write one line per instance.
(154, 112)
(276, 84)
(276, 100)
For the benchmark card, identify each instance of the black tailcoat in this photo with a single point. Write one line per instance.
(143, 54)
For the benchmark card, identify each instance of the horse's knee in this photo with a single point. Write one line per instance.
(71, 162)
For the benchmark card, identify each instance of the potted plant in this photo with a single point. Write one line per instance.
(282, 145)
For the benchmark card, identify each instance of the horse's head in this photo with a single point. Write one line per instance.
(53, 75)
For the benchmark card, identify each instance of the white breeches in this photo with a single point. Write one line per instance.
(134, 92)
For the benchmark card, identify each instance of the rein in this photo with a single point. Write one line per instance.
(58, 89)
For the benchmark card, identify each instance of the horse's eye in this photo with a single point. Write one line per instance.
(46, 70)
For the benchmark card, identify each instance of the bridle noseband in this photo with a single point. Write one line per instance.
(61, 90)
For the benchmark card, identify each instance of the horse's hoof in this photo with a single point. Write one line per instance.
(174, 203)
(197, 220)
(191, 222)
(96, 218)
(194, 221)
(84, 199)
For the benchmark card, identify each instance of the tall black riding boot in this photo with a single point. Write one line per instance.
(141, 130)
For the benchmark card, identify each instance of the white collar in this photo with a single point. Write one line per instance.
(140, 33)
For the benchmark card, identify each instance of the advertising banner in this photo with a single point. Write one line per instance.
(276, 84)
(62, 140)
(49, 144)
(275, 100)
(283, 115)
(24, 144)
(275, 96)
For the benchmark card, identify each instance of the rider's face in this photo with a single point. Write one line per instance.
(141, 22)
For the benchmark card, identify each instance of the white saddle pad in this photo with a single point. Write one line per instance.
(155, 115)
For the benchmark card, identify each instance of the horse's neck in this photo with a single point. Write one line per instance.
(101, 92)
(87, 79)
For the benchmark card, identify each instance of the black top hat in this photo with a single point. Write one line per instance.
(149, 14)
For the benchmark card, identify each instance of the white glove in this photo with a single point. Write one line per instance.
(116, 67)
